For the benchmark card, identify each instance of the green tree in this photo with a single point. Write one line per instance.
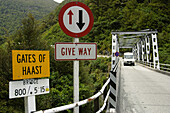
(28, 36)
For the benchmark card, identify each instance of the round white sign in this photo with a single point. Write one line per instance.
(76, 19)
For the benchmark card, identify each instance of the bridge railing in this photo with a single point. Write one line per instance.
(73, 105)
(164, 67)
(92, 98)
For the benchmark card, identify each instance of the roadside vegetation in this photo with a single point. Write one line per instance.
(121, 15)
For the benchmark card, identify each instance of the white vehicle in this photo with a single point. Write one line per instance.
(129, 59)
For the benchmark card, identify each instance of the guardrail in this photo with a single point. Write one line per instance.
(92, 98)
(164, 67)
(73, 105)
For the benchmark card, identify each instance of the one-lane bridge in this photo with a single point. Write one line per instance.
(143, 88)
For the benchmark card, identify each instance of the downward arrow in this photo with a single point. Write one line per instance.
(70, 13)
(80, 24)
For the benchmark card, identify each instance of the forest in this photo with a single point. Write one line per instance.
(109, 15)
(13, 11)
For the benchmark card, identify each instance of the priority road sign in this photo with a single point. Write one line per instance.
(75, 51)
(30, 64)
(76, 19)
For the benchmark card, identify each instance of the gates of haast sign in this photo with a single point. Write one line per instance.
(30, 64)
(75, 51)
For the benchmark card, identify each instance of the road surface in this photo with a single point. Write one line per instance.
(143, 91)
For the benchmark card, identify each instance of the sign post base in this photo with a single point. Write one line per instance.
(30, 104)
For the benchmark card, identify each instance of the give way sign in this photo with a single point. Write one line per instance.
(76, 19)
(75, 51)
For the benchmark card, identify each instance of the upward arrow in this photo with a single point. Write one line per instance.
(70, 13)
(80, 24)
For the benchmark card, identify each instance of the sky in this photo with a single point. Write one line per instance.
(59, 1)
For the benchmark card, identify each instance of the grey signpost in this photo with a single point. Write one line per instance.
(76, 80)
(76, 20)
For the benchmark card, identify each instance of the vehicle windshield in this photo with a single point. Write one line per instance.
(128, 56)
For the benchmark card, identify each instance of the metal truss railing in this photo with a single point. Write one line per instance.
(164, 67)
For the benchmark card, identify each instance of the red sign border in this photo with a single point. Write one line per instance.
(72, 59)
(61, 23)
(115, 54)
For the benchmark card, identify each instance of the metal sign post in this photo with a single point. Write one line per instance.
(76, 20)
(76, 81)
(30, 104)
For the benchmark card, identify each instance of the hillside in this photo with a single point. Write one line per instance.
(13, 11)
(121, 15)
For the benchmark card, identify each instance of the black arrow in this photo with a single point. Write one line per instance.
(80, 24)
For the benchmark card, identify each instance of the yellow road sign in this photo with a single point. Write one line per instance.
(30, 64)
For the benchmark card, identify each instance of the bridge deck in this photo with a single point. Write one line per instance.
(143, 91)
